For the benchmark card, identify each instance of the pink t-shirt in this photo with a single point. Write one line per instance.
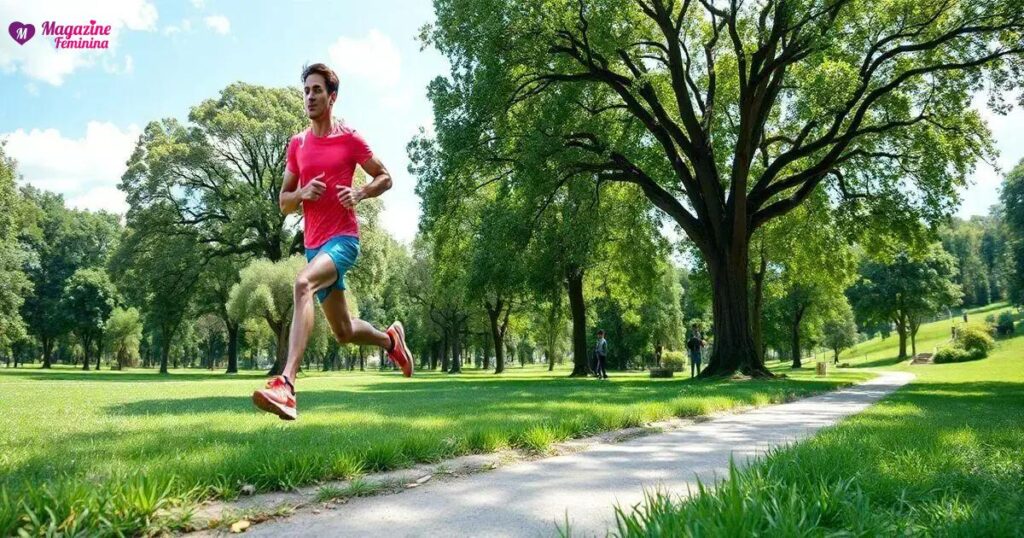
(336, 156)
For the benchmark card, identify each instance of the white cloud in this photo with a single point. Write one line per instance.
(38, 58)
(219, 23)
(85, 170)
(374, 58)
(199, 4)
(184, 26)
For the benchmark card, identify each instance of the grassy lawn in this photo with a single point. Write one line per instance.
(943, 456)
(883, 351)
(102, 452)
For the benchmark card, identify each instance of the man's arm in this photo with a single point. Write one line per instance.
(381, 182)
(292, 196)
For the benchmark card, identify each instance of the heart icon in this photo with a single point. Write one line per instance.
(21, 32)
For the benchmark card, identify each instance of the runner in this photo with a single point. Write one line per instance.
(318, 176)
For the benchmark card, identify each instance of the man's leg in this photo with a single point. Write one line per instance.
(349, 330)
(318, 274)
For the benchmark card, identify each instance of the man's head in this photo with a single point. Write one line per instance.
(695, 326)
(320, 90)
(600, 334)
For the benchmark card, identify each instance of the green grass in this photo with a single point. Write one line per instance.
(107, 452)
(880, 351)
(943, 456)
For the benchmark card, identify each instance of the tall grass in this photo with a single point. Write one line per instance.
(941, 457)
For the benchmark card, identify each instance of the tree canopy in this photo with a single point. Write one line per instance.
(729, 115)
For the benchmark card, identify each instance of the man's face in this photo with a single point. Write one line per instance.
(318, 101)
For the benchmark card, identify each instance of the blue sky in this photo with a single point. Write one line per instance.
(73, 122)
(71, 117)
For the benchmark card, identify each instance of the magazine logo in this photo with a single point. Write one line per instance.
(21, 32)
(65, 36)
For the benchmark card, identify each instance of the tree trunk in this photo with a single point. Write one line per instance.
(487, 352)
(456, 352)
(362, 358)
(901, 329)
(914, 326)
(47, 352)
(232, 348)
(757, 312)
(86, 344)
(497, 335)
(798, 316)
(444, 352)
(99, 351)
(795, 345)
(165, 350)
(734, 346)
(578, 309)
(281, 353)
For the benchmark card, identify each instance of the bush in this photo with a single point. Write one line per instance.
(957, 354)
(975, 338)
(1005, 325)
(673, 360)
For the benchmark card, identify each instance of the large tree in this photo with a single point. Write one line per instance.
(904, 290)
(14, 284)
(219, 175)
(1013, 203)
(731, 114)
(88, 299)
(124, 334)
(61, 241)
(159, 273)
(839, 330)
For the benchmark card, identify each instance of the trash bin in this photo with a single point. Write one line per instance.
(821, 368)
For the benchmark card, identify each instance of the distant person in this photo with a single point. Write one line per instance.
(320, 162)
(657, 355)
(965, 317)
(695, 343)
(600, 355)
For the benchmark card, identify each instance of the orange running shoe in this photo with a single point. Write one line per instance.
(278, 398)
(399, 352)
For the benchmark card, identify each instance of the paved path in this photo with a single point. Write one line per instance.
(528, 499)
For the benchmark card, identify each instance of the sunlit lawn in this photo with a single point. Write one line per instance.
(137, 440)
(943, 456)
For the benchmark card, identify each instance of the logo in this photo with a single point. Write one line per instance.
(21, 32)
(65, 36)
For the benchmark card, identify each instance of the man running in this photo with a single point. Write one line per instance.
(318, 177)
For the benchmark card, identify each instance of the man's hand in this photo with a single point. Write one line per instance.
(314, 189)
(349, 197)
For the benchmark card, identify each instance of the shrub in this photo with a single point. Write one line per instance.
(957, 354)
(1005, 325)
(673, 360)
(975, 338)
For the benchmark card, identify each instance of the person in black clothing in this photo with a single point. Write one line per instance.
(600, 354)
(695, 344)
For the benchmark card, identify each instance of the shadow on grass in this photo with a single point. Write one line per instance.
(38, 374)
(426, 399)
(875, 363)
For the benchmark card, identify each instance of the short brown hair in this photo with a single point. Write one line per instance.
(320, 69)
